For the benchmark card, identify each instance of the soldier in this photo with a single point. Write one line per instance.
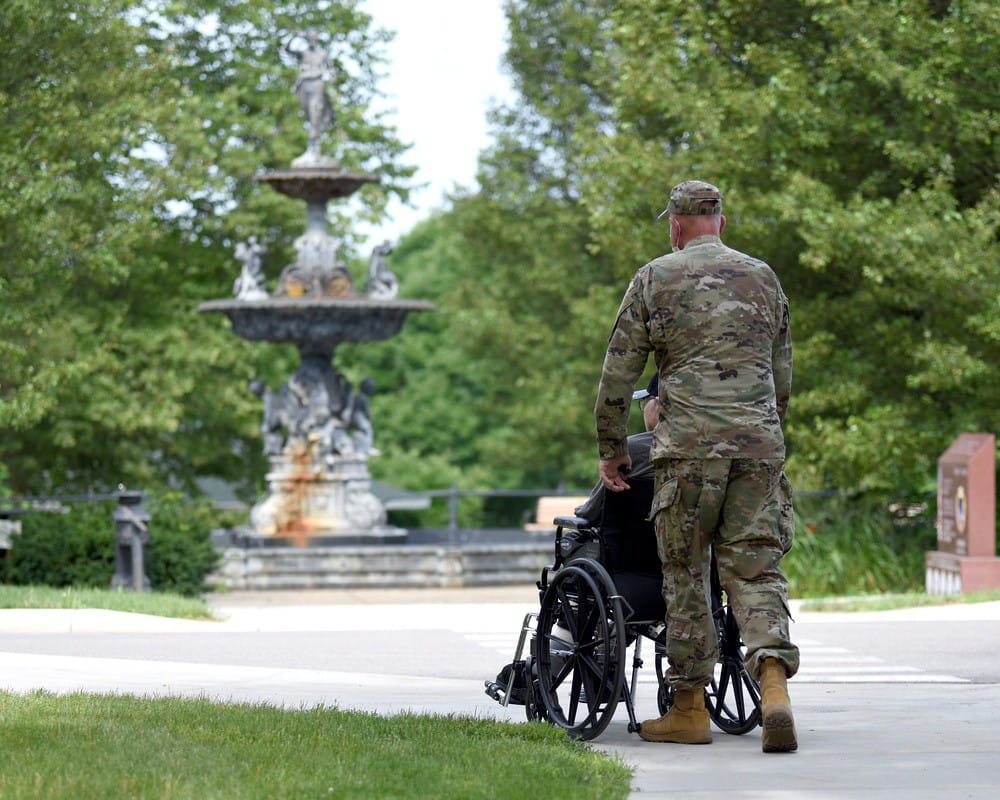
(716, 321)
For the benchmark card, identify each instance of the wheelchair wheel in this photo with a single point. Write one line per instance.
(580, 649)
(733, 698)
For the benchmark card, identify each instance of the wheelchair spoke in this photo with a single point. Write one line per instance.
(752, 687)
(564, 670)
(733, 701)
(559, 643)
(590, 621)
(723, 691)
(741, 709)
(590, 673)
(567, 616)
(723, 685)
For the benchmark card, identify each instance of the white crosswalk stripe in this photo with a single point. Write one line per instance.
(821, 663)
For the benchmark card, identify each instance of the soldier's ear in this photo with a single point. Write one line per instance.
(722, 223)
(675, 230)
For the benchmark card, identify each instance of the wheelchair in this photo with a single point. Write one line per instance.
(601, 596)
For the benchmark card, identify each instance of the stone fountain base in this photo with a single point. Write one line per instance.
(429, 558)
(315, 499)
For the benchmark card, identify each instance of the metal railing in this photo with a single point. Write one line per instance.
(453, 494)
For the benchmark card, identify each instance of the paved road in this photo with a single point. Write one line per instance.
(891, 704)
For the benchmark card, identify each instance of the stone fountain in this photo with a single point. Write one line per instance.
(316, 427)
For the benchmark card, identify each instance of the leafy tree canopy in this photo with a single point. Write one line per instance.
(131, 133)
(856, 144)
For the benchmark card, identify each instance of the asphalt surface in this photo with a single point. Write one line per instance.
(889, 704)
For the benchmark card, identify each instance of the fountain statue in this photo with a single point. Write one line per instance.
(316, 427)
(250, 284)
(381, 281)
(314, 102)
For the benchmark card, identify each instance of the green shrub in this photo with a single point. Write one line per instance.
(77, 547)
(858, 545)
(74, 546)
(180, 553)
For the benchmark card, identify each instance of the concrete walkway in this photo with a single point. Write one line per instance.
(871, 740)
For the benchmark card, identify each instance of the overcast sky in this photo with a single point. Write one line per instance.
(444, 70)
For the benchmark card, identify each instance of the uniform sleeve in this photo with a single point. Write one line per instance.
(781, 361)
(628, 350)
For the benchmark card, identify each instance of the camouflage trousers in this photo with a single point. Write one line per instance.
(742, 508)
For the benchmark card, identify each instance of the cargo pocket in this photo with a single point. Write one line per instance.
(665, 497)
(663, 500)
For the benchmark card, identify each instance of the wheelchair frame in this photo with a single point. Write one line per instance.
(574, 673)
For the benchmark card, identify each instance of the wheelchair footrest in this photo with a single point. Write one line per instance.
(495, 690)
(511, 678)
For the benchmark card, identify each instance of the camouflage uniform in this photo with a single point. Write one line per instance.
(716, 321)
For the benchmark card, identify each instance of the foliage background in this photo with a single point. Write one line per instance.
(131, 132)
(856, 143)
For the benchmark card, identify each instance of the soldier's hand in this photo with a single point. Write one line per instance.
(613, 472)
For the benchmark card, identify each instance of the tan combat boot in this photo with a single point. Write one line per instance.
(776, 709)
(685, 723)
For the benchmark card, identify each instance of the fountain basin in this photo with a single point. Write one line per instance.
(316, 320)
(317, 183)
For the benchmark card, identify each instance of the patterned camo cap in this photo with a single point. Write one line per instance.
(693, 198)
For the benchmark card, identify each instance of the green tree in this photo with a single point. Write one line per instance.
(132, 132)
(69, 223)
(526, 289)
(856, 143)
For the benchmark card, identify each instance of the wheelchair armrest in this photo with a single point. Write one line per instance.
(573, 523)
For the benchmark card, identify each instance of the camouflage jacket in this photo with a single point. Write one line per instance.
(717, 323)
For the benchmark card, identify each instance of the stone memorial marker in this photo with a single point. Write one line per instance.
(965, 559)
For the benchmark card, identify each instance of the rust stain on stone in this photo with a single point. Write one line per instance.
(293, 520)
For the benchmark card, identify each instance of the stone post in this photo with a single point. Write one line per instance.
(966, 558)
(131, 535)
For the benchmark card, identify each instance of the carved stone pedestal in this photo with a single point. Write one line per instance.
(312, 497)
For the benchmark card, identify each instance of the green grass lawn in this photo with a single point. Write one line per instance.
(887, 602)
(89, 746)
(162, 604)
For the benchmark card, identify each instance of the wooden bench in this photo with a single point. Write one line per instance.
(551, 507)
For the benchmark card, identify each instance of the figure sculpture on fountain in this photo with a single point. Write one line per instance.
(359, 419)
(250, 284)
(381, 281)
(273, 419)
(317, 411)
(315, 71)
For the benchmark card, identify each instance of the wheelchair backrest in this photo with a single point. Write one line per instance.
(629, 538)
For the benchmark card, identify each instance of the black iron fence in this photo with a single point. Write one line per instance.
(518, 511)
(523, 503)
